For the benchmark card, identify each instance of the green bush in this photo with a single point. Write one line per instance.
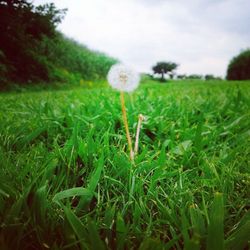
(239, 66)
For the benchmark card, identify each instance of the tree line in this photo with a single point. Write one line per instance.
(238, 69)
(168, 68)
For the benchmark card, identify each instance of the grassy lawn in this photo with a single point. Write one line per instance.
(66, 181)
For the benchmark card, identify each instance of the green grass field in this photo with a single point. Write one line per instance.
(67, 181)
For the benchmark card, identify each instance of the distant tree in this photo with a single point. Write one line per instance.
(181, 76)
(163, 68)
(194, 76)
(239, 67)
(209, 77)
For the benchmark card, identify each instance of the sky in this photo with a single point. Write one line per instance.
(201, 36)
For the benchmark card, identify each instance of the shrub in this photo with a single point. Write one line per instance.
(239, 66)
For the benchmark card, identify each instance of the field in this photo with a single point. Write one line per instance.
(66, 181)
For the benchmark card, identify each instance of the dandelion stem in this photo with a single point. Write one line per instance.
(140, 119)
(125, 121)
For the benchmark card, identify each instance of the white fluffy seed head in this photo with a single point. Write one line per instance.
(123, 78)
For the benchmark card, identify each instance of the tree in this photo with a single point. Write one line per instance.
(181, 76)
(239, 67)
(11, 4)
(22, 27)
(194, 76)
(164, 68)
(209, 77)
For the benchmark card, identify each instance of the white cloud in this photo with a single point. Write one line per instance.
(202, 36)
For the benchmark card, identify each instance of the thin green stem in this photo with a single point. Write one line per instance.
(125, 121)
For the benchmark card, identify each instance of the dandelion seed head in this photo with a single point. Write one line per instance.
(123, 78)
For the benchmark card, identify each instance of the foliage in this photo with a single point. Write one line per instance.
(32, 50)
(181, 76)
(239, 66)
(66, 55)
(22, 27)
(209, 77)
(66, 182)
(164, 68)
(194, 76)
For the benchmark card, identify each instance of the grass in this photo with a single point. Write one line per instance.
(67, 181)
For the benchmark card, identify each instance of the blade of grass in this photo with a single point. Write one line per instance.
(215, 238)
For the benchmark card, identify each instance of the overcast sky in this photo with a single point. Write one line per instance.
(200, 35)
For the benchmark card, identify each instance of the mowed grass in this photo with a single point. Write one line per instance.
(66, 181)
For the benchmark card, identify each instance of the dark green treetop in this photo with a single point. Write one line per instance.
(239, 66)
(164, 68)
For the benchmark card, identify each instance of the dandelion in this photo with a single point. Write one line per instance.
(124, 79)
